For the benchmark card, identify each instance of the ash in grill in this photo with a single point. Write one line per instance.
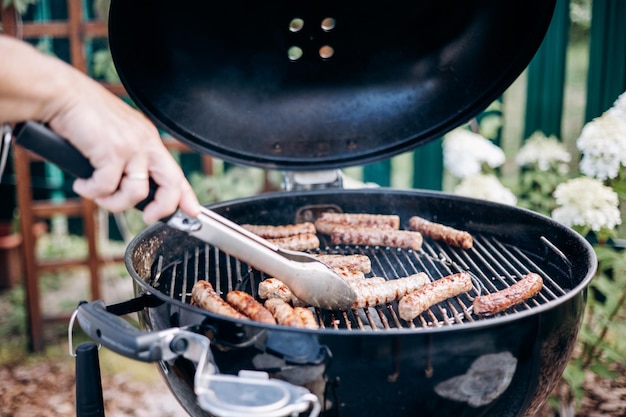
(493, 265)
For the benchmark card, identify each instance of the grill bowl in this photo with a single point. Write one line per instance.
(504, 365)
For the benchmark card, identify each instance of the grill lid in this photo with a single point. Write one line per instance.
(284, 85)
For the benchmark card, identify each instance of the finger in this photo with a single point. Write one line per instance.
(130, 192)
(188, 200)
(165, 203)
(172, 186)
(103, 182)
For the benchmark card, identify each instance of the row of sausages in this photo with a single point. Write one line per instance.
(243, 306)
(361, 229)
(415, 293)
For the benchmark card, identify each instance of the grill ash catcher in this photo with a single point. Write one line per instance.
(309, 89)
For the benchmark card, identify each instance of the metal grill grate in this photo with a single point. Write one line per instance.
(494, 266)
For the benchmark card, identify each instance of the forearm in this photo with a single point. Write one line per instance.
(33, 86)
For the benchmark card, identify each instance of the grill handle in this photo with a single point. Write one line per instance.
(44, 142)
(250, 393)
(120, 336)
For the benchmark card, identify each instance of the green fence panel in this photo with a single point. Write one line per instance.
(606, 78)
(379, 173)
(546, 77)
(428, 166)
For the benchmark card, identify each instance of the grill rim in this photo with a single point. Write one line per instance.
(141, 286)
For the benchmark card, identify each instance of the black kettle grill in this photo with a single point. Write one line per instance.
(305, 88)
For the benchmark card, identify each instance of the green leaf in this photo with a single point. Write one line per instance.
(574, 374)
(603, 371)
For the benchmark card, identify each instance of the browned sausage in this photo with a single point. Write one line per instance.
(349, 275)
(441, 232)
(355, 262)
(367, 282)
(274, 232)
(327, 221)
(205, 297)
(418, 301)
(247, 305)
(275, 288)
(297, 242)
(388, 291)
(493, 303)
(283, 313)
(307, 317)
(346, 235)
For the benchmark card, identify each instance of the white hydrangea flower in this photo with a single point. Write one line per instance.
(543, 152)
(586, 202)
(464, 152)
(619, 108)
(485, 187)
(602, 143)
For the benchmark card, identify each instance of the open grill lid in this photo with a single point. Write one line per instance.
(285, 85)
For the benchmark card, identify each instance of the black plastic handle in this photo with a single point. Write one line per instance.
(47, 144)
(89, 400)
(117, 334)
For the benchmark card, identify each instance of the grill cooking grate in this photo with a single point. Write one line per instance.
(494, 265)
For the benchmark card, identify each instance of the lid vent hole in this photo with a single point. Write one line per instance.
(326, 52)
(328, 24)
(296, 24)
(294, 53)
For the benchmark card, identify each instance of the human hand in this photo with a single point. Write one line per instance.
(125, 149)
(121, 144)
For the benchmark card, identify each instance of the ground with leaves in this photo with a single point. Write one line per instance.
(45, 387)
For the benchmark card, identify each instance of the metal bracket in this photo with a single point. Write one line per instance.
(253, 393)
(184, 223)
(5, 145)
(250, 393)
(312, 180)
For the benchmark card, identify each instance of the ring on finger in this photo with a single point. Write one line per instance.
(140, 176)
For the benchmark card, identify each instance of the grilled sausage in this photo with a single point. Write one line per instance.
(441, 232)
(328, 221)
(367, 282)
(247, 305)
(349, 275)
(418, 301)
(355, 262)
(297, 242)
(493, 303)
(275, 232)
(307, 317)
(388, 291)
(205, 297)
(275, 288)
(345, 235)
(283, 313)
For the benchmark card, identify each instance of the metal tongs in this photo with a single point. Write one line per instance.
(309, 279)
